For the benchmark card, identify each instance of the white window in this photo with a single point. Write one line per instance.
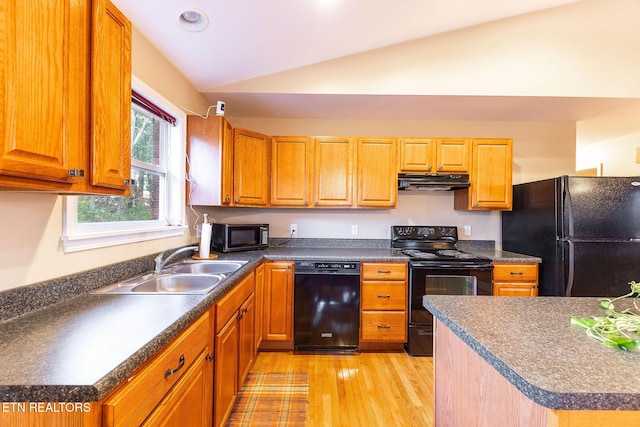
(156, 206)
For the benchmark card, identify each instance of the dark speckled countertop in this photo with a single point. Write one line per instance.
(531, 342)
(79, 348)
(60, 342)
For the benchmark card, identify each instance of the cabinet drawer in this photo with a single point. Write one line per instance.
(384, 326)
(383, 295)
(515, 273)
(383, 271)
(145, 389)
(229, 303)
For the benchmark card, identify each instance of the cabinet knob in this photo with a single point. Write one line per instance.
(439, 168)
(237, 200)
(429, 168)
(130, 181)
(227, 198)
(76, 172)
(315, 203)
(209, 357)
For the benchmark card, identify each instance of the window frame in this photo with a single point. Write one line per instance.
(83, 236)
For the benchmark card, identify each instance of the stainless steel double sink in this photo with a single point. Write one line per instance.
(185, 277)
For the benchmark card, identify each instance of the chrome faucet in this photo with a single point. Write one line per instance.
(160, 263)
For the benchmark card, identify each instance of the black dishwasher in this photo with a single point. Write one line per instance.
(326, 307)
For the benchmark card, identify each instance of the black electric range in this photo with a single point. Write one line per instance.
(436, 266)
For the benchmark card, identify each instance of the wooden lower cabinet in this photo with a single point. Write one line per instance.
(515, 279)
(157, 390)
(226, 372)
(383, 305)
(189, 403)
(277, 322)
(235, 348)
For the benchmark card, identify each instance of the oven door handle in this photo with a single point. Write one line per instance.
(453, 265)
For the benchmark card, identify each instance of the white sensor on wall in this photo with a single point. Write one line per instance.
(220, 108)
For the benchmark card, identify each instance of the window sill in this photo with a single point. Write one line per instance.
(104, 238)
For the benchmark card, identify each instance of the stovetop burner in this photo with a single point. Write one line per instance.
(432, 244)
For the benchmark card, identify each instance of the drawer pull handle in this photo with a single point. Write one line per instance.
(516, 273)
(384, 296)
(384, 326)
(170, 371)
(384, 271)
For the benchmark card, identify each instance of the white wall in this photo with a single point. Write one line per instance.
(617, 156)
(423, 208)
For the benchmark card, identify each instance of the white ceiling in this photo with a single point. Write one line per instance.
(246, 39)
(251, 38)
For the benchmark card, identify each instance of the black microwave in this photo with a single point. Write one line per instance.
(239, 237)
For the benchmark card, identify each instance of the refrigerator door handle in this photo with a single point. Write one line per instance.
(570, 268)
(569, 211)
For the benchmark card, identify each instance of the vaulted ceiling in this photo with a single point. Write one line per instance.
(285, 58)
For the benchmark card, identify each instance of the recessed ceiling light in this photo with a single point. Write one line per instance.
(192, 19)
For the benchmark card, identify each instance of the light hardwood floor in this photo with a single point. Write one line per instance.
(361, 389)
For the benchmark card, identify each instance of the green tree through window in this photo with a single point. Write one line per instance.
(148, 136)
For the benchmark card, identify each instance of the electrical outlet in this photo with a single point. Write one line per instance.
(354, 230)
(467, 230)
(293, 229)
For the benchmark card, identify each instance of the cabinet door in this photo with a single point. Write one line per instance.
(250, 168)
(247, 343)
(491, 178)
(210, 161)
(226, 371)
(452, 155)
(44, 91)
(333, 171)
(278, 302)
(377, 176)
(190, 401)
(416, 154)
(505, 289)
(291, 171)
(259, 294)
(226, 179)
(110, 97)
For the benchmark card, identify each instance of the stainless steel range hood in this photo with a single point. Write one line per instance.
(432, 181)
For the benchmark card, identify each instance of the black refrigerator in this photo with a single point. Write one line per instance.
(585, 229)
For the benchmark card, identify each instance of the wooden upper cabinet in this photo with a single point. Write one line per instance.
(416, 155)
(452, 155)
(377, 177)
(291, 171)
(432, 155)
(110, 97)
(334, 160)
(43, 86)
(210, 165)
(250, 168)
(51, 99)
(491, 177)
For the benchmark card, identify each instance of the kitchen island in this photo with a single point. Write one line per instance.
(518, 361)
